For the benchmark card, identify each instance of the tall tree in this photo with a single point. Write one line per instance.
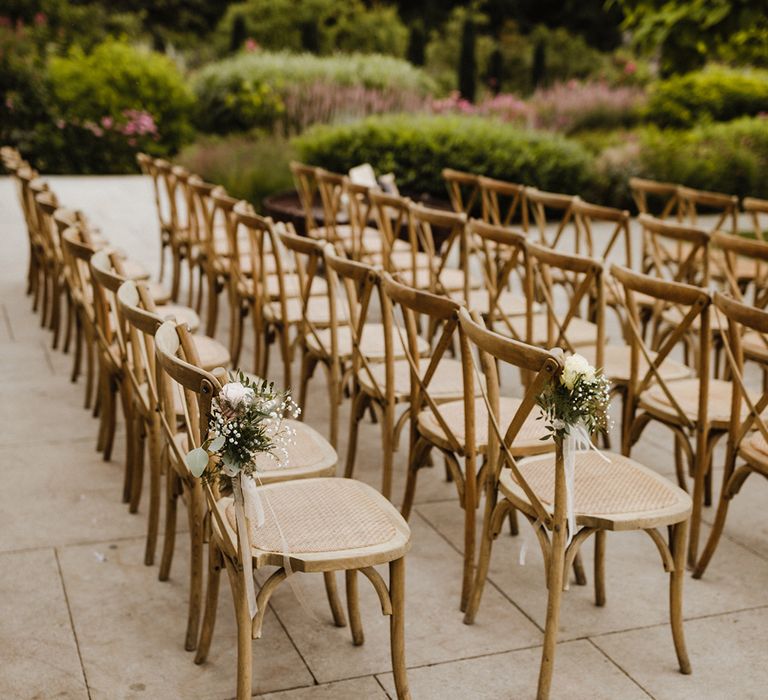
(468, 61)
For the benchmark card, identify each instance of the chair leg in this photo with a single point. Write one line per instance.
(155, 471)
(244, 639)
(359, 402)
(77, 360)
(600, 568)
(175, 273)
(484, 559)
(68, 323)
(397, 627)
(578, 570)
(678, 535)
(90, 369)
(308, 364)
(287, 355)
(56, 316)
(387, 430)
(213, 308)
(332, 591)
(211, 603)
(555, 585)
(418, 457)
(112, 419)
(169, 536)
(235, 331)
(194, 514)
(162, 258)
(699, 480)
(137, 478)
(353, 607)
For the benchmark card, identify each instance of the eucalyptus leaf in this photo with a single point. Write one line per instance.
(196, 460)
(217, 443)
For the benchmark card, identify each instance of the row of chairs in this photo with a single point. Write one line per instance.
(166, 377)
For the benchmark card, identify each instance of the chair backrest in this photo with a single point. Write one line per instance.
(658, 199)
(361, 217)
(443, 236)
(757, 209)
(222, 219)
(544, 366)
(675, 251)
(172, 185)
(725, 205)
(603, 245)
(463, 190)
(585, 298)
(332, 188)
(693, 304)
(503, 203)
(46, 204)
(77, 255)
(201, 209)
(107, 277)
(738, 247)
(393, 216)
(552, 207)
(162, 204)
(305, 182)
(504, 264)
(738, 318)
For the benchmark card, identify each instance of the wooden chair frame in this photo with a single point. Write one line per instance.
(463, 190)
(502, 202)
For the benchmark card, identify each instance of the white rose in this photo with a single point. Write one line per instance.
(576, 366)
(236, 394)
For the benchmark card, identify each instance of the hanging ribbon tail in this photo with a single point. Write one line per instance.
(254, 509)
(244, 542)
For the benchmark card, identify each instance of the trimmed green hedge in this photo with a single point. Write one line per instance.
(270, 90)
(716, 93)
(730, 157)
(418, 147)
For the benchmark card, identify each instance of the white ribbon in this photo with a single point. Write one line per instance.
(238, 483)
(576, 440)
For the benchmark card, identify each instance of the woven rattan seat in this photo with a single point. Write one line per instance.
(445, 384)
(579, 332)
(686, 393)
(318, 312)
(451, 279)
(211, 352)
(182, 314)
(322, 516)
(617, 361)
(508, 303)
(528, 441)
(754, 449)
(608, 494)
(371, 345)
(755, 344)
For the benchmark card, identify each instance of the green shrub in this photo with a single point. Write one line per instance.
(247, 168)
(715, 93)
(417, 148)
(318, 26)
(731, 157)
(287, 92)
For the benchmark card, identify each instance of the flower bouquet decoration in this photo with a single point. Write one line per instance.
(247, 420)
(575, 406)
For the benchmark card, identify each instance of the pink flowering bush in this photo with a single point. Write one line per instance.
(576, 106)
(504, 107)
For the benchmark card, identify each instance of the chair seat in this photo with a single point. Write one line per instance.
(755, 344)
(754, 449)
(744, 269)
(528, 441)
(318, 311)
(579, 332)
(451, 279)
(371, 344)
(622, 495)
(160, 293)
(211, 352)
(134, 270)
(508, 303)
(291, 286)
(182, 314)
(324, 523)
(371, 238)
(686, 393)
(445, 385)
(617, 362)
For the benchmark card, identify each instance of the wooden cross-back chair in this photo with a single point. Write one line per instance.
(506, 298)
(327, 524)
(616, 246)
(620, 496)
(546, 207)
(39, 189)
(442, 235)
(308, 313)
(445, 412)
(206, 240)
(695, 409)
(25, 175)
(747, 430)
(659, 199)
(148, 167)
(725, 207)
(404, 257)
(463, 190)
(503, 203)
(305, 181)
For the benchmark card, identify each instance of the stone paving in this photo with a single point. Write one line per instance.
(81, 616)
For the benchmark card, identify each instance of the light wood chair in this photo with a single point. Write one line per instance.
(622, 496)
(725, 206)
(747, 430)
(463, 190)
(25, 175)
(696, 410)
(549, 209)
(328, 525)
(659, 199)
(305, 181)
(445, 412)
(503, 203)
(162, 204)
(757, 209)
